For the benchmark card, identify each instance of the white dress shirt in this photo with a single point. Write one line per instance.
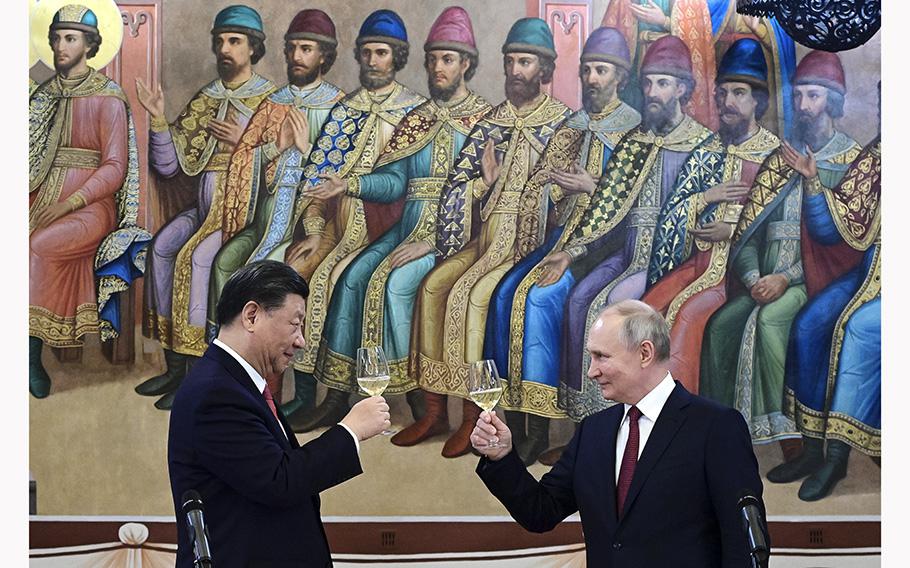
(261, 384)
(650, 406)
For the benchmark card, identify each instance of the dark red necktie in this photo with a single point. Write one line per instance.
(267, 393)
(629, 459)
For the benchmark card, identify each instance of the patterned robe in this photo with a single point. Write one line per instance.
(749, 338)
(452, 301)
(687, 294)
(833, 373)
(262, 183)
(638, 180)
(525, 358)
(82, 151)
(182, 252)
(351, 140)
(371, 303)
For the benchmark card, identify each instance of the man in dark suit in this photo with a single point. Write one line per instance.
(227, 441)
(656, 479)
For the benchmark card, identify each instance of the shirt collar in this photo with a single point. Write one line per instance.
(652, 403)
(253, 373)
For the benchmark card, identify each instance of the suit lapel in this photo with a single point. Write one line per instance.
(239, 374)
(668, 423)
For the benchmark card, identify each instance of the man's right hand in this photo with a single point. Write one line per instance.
(368, 417)
(554, 266)
(730, 191)
(152, 99)
(300, 250)
(490, 428)
(490, 166)
(408, 252)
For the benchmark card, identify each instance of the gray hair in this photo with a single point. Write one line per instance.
(641, 323)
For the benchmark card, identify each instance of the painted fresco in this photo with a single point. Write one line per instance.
(672, 151)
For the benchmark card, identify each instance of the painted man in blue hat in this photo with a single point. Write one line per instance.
(474, 254)
(687, 274)
(258, 209)
(566, 174)
(197, 145)
(83, 197)
(337, 225)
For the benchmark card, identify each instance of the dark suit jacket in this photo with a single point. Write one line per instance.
(259, 487)
(681, 509)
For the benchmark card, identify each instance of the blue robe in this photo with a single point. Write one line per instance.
(833, 372)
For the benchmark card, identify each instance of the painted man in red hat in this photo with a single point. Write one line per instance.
(772, 273)
(373, 300)
(276, 143)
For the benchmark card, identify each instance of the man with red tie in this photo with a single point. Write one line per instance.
(666, 494)
(228, 442)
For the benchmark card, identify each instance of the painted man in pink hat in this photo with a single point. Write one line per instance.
(373, 299)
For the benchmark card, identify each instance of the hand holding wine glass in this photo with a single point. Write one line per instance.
(373, 373)
(485, 388)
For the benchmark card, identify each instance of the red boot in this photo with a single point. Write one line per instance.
(435, 421)
(460, 442)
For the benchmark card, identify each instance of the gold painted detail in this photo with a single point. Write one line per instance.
(62, 331)
(533, 398)
(68, 157)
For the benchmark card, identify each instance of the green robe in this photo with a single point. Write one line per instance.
(745, 343)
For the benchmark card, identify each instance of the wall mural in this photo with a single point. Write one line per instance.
(673, 151)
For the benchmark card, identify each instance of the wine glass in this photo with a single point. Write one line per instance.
(373, 373)
(485, 387)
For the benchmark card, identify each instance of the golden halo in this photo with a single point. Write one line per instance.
(110, 26)
(32, 52)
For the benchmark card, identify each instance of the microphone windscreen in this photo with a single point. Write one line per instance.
(191, 501)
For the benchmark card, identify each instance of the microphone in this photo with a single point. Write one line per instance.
(748, 506)
(199, 536)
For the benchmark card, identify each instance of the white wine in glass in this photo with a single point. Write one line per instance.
(373, 373)
(484, 386)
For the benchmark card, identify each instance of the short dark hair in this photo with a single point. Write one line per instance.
(329, 54)
(266, 282)
(689, 82)
(256, 44)
(547, 68)
(92, 40)
(400, 52)
(472, 64)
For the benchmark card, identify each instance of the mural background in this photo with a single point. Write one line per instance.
(96, 448)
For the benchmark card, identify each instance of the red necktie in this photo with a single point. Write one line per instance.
(267, 393)
(629, 459)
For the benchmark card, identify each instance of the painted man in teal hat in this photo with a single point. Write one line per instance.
(574, 160)
(84, 245)
(473, 254)
(198, 145)
(373, 301)
(329, 228)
